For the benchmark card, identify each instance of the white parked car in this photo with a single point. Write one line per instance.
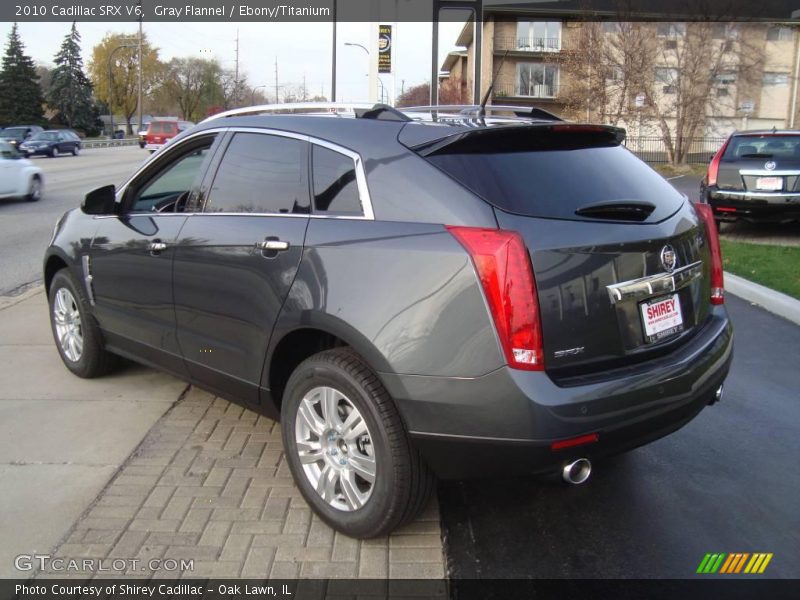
(19, 177)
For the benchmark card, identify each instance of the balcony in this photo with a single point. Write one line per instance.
(530, 45)
(537, 91)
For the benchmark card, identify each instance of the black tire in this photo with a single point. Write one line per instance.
(94, 359)
(75, 151)
(54, 152)
(403, 483)
(35, 189)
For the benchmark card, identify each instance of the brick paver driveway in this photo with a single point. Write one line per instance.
(209, 483)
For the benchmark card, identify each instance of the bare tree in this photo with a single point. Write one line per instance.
(666, 77)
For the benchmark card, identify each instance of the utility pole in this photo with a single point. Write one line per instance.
(305, 95)
(236, 73)
(333, 57)
(276, 81)
(139, 107)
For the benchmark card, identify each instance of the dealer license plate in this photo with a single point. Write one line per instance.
(771, 184)
(661, 317)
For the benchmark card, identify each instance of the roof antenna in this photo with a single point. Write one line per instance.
(482, 107)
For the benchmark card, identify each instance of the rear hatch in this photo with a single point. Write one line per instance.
(159, 132)
(763, 163)
(619, 256)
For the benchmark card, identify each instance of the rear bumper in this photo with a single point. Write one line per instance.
(728, 206)
(153, 146)
(503, 423)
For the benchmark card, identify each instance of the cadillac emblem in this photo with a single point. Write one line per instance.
(668, 258)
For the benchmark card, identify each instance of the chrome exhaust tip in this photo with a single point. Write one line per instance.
(717, 395)
(577, 472)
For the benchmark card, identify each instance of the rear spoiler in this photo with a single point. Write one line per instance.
(604, 133)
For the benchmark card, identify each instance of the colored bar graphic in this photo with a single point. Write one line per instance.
(734, 563)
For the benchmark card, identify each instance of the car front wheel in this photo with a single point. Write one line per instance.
(54, 152)
(76, 333)
(347, 448)
(75, 151)
(35, 189)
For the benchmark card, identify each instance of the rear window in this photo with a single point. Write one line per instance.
(763, 146)
(553, 174)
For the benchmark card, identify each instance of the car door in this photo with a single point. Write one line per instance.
(236, 260)
(130, 260)
(64, 145)
(8, 169)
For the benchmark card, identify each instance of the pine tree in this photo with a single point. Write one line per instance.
(20, 95)
(70, 89)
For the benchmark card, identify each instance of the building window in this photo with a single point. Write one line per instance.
(776, 33)
(611, 27)
(537, 80)
(615, 74)
(724, 31)
(723, 91)
(539, 36)
(670, 44)
(671, 30)
(724, 79)
(776, 79)
(667, 77)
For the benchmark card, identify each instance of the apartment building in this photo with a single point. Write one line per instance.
(534, 60)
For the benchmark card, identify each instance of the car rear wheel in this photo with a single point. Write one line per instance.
(35, 189)
(347, 448)
(76, 333)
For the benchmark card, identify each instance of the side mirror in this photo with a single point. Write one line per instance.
(100, 201)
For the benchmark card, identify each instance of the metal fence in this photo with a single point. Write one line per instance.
(108, 143)
(654, 149)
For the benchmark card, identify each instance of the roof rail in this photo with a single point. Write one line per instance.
(473, 111)
(360, 110)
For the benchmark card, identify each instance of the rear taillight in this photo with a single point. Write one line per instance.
(504, 268)
(713, 166)
(717, 285)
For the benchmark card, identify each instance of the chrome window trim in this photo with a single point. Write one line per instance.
(361, 176)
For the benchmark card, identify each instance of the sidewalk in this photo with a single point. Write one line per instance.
(116, 468)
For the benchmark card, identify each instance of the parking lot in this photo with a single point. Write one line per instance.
(725, 483)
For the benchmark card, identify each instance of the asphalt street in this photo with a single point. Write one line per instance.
(727, 482)
(26, 227)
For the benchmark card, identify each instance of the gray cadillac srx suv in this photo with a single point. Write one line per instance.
(439, 291)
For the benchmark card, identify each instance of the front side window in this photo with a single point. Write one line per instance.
(261, 173)
(335, 185)
(171, 186)
(6, 151)
(537, 80)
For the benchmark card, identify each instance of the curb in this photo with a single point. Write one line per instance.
(775, 302)
(28, 292)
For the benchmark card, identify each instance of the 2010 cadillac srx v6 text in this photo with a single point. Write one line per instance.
(446, 291)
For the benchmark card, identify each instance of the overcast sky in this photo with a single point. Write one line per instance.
(301, 49)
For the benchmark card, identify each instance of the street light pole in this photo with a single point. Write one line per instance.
(365, 49)
(111, 83)
(253, 94)
(139, 106)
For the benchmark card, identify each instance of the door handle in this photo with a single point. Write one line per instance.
(156, 247)
(272, 245)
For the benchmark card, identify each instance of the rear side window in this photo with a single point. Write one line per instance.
(553, 174)
(335, 185)
(763, 146)
(261, 174)
(154, 128)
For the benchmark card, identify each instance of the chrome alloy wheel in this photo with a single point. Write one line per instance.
(335, 448)
(67, 321)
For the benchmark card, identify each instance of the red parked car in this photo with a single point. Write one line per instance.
(159, 132)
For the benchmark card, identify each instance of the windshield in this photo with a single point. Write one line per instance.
(13, 132)
(45, 135)
(763, 146)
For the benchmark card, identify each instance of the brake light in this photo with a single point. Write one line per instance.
(504, 268)
(576, 441)
(706, 214)
(713, 166)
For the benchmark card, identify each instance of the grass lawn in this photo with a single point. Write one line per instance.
(777, 267)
